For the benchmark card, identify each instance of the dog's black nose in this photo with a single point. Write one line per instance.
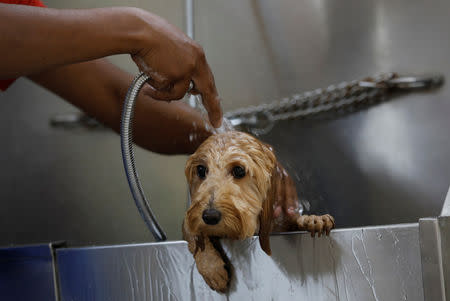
(211, 216)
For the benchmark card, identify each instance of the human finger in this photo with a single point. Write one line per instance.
(205, 85)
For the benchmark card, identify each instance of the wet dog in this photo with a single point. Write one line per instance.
(234, 182)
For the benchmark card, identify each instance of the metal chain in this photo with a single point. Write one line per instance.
(261, 119)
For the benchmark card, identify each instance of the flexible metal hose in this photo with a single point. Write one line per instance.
(126, 140)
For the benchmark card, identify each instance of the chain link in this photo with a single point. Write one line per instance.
(261, 119)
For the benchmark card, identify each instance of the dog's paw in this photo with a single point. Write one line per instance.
(215, 274)
(316, 224)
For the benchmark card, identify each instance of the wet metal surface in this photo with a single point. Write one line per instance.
(378, 263)
(434, 245)
(382, 165)
(446, 207)
(387, 164)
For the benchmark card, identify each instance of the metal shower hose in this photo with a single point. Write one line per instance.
(126, 141)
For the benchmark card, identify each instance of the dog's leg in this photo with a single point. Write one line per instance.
(321, 224)
(213, 267)
(211, 263)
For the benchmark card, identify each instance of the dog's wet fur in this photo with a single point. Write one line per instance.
(233, 184)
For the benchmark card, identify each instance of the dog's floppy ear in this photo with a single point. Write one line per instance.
(188, 169)
(266, 216)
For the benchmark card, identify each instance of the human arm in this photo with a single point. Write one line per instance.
(35, 40)
(98, 88)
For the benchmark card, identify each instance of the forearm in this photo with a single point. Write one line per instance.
(98, 88)
(36, 39)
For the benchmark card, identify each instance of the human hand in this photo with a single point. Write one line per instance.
(173, 60)
(286, 201)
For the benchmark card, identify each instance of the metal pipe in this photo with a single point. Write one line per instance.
(189, 25)
(126, 140)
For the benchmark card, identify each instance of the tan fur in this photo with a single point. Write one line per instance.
(246, 204)
(239, 200)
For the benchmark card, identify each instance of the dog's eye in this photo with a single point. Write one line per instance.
(238, 172)
(201, 171)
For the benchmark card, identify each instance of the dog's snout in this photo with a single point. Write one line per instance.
(211, 216)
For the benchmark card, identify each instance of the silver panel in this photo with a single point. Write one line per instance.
(383, 165)
(444, 227)
(434, 249)
(446, 207)
(377, 263)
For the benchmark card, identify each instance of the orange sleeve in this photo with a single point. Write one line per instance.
(24, 2)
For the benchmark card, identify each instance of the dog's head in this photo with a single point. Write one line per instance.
(231, 178)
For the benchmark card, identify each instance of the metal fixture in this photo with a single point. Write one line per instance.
(126, 141)
(434, 238)
(345, 95)
(369, 263)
